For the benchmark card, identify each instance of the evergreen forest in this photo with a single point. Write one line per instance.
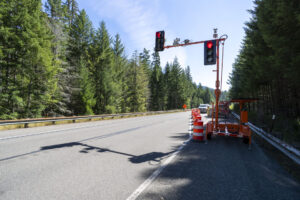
(268, 66)
(55, 62)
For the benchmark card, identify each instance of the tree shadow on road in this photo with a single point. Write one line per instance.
(151, 156)
(136, 159)
(181, 136)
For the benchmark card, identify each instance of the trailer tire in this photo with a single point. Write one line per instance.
(246, 140)
(209, 136)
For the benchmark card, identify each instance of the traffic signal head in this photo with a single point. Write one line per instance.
(210, 52)
(159, 40)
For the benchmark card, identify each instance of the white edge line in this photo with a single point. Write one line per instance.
(155, 174)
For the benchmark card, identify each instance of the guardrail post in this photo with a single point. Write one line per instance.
(286, 149)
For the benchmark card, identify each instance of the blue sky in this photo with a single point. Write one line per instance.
(137, 21)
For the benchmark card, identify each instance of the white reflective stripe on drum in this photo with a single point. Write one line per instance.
(198, 127)
(198, 134)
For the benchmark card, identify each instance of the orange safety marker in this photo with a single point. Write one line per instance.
(196, 116)
(198, 129)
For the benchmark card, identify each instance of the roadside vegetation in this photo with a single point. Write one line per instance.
(54, 62)
(267, 68)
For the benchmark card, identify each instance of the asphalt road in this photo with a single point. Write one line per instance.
(112, 159)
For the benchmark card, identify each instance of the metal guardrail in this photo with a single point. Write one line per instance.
(90, 117)
(285, 148)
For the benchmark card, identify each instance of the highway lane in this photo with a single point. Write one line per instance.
(223, 168)
(111, 159)
(94, 160)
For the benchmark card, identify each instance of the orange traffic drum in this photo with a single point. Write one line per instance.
(198, 129)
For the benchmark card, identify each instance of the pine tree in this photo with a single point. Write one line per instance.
(188, 85)
(176, 86)
(206, 96)
(156, 84)
(54, 9)
(118, 73)
(10, 98)
(56, 21)
(87, 91)
(80, 36)
(197, 96)
(29, 84)
(102, 57)
(166, 83)
(146, 62)
(70, 10)
(137, 83)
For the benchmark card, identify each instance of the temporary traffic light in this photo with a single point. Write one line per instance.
(159, 40)
(210, 52)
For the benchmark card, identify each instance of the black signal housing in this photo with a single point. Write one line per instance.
(159, 40)
(210, 52)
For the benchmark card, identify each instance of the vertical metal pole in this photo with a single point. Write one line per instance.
(217, 91)
(241, 108)
(240, 122)
(212, 114)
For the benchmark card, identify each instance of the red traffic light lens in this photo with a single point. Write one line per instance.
(209, 44)
(158, 34)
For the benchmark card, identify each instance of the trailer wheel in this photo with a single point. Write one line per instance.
(209, 136)
(246, 140)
